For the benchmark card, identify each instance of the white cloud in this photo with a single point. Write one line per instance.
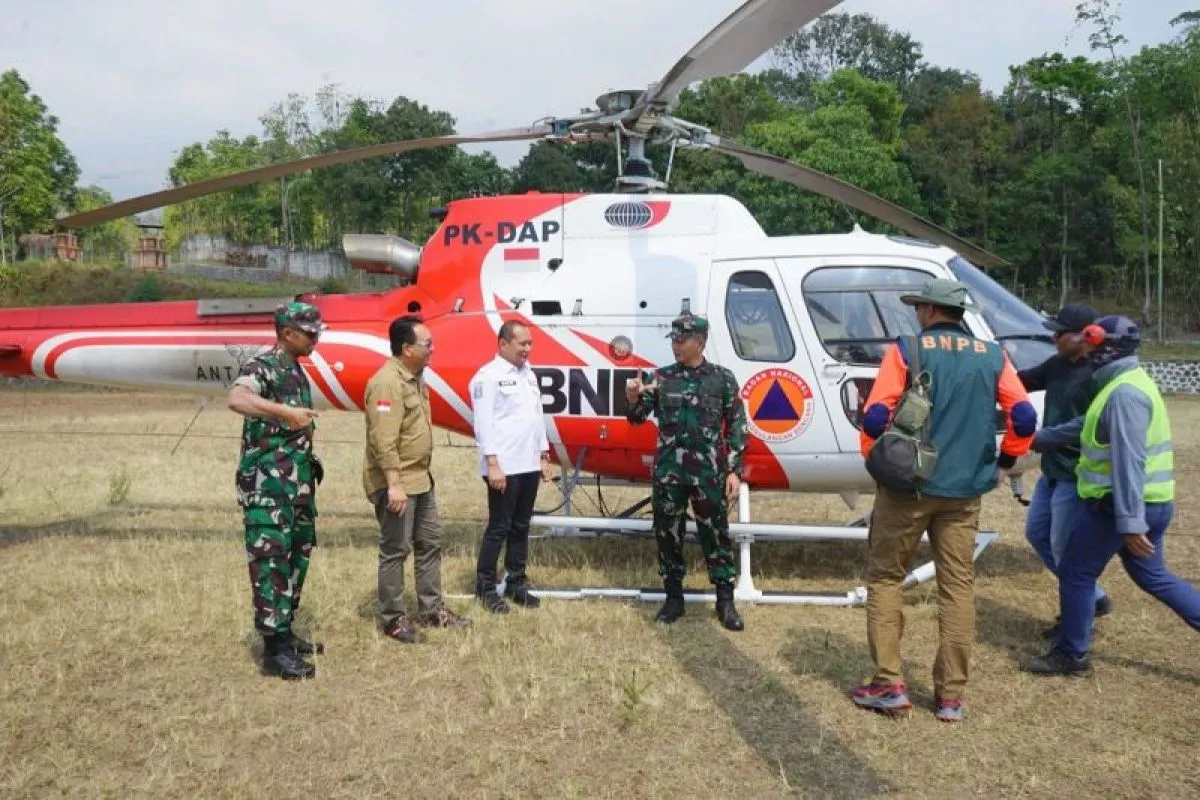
(132, 82)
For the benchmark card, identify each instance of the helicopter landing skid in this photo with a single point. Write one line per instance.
(744, 533)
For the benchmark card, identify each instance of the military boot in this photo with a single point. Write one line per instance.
(673, 608)
(280, 659)
(726, 612)
(301, 646)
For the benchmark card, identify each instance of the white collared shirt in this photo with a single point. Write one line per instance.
(507, 406)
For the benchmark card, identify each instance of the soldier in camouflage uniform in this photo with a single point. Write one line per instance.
(276, 478)
(701, 439)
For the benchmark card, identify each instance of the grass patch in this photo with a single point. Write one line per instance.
(129, 659)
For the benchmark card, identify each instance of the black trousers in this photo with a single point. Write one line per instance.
(508, 527)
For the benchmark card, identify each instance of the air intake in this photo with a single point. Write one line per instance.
(382, 253)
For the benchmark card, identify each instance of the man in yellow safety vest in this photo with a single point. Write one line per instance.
(1126, 488)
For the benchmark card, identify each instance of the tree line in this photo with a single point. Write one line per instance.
(1058, 172)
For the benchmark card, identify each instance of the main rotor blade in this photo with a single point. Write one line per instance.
(829, 186)
(747, 33)
(194, 190)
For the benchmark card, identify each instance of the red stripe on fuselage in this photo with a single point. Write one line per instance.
(603, 348)
(322, 385)
(546, 349)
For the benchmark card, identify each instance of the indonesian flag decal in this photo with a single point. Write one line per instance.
(521, 254)
(521, 258)
(383, 406)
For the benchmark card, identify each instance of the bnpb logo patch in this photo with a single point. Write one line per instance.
(778, 404)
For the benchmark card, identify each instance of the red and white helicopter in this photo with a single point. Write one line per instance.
(801, 320)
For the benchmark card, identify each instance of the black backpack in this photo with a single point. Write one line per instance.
(904, 457)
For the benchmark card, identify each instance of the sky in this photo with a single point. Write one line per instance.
(132, 81)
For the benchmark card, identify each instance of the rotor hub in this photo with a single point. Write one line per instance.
(618, 101)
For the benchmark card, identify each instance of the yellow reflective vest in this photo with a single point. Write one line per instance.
(1094, 471)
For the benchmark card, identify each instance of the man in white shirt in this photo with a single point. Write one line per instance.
(513, 454)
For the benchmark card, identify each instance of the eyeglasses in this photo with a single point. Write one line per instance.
(427, 344)
(311, 336)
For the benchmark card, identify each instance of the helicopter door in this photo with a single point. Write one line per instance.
(753, 332)
(848, 315)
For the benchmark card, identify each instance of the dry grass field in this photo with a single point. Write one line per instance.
(127, 656)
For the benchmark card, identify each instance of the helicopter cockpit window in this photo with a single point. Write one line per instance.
(756, 322)
(857, 310)
(1018, 327)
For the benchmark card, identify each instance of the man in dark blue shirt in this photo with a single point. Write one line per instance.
(1126, 485)
(1067, 380)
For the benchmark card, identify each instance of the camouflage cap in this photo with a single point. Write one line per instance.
(688, 325)
(301, 316)
(940, 292)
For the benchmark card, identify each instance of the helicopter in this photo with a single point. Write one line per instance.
(802, 321)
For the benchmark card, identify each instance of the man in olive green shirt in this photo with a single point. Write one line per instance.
(398, 483)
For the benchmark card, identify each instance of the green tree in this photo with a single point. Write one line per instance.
(245, 215)
(37, 171)
(857, 41)
(958, 156)
(1104, 19)
(109, 240)
(288, 135)
(853, 135)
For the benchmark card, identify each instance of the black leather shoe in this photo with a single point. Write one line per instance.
(493, 602)
(520, 596)
(1056, 662)
(726, 611)
(673, 608)
(1104, 606)
(304, 647)
(279, 659)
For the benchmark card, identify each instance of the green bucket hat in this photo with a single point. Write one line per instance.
(940, 292)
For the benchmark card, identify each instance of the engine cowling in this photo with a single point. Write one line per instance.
(382, 253)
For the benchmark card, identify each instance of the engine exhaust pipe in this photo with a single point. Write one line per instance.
(382, 253)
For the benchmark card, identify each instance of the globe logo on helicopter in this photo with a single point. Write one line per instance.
(778, 405)
(636, 215)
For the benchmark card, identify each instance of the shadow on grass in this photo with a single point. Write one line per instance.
(845, 663)
(789, 739)
(1020, 634)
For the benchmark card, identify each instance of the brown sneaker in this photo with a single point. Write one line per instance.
(444, 618)
(402, 629)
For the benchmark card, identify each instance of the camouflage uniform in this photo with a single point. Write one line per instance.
(701, 439)
(275, 481)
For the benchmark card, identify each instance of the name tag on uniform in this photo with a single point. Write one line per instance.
(508, 385)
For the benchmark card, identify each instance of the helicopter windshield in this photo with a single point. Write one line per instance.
(1017, 326)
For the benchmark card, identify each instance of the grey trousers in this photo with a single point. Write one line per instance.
(419, 531)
